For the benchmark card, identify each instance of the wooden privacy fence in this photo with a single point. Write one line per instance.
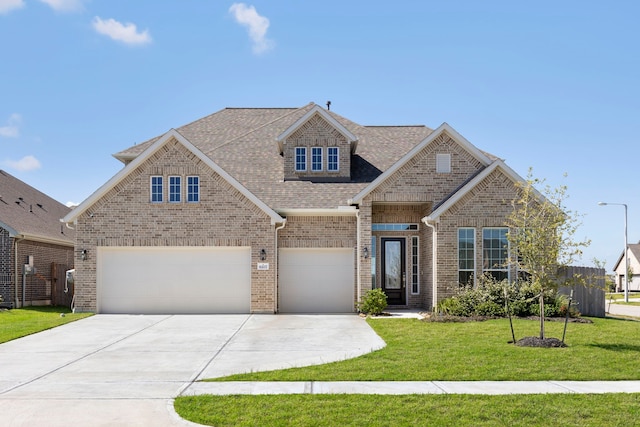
(589, 299)
(58, 276)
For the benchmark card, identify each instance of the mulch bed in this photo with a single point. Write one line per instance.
(537, 342)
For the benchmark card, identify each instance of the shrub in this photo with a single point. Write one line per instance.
(373, 302)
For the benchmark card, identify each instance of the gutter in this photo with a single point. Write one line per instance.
(358, 252)
(432, 224)
(340, 211)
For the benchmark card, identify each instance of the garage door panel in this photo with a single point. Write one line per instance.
(170, 280)
(316, 280)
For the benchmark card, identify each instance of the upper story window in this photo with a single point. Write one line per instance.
(316, 159)
(175, 189)
(443, 163)
(301, 159)
(156, 189)
(193, 189)
(332, 159)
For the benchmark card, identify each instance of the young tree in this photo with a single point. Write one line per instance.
(541, 235)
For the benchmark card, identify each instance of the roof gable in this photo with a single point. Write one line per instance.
(351, 138)
(443, 128)
(142, 157)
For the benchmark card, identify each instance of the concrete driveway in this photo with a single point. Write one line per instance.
(111, 370)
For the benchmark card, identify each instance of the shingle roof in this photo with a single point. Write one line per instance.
(243, 142)
(27, 211)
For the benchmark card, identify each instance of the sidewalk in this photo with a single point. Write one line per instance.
(411, 387)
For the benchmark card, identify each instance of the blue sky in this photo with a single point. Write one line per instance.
(549, 85)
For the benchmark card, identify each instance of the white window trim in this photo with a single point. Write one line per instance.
(295, 159)
(475, 248)
(179, 189)
(416, 265)
(151, 189)
(187, 189)
(337, 169)
(321, 160)
(443, 163)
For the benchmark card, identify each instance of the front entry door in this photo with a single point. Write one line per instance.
(393, 270)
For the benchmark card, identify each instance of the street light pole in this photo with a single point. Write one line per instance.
(626, 245)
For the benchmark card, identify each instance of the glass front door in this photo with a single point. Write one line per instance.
(393, 270)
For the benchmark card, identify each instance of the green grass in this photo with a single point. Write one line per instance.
(29, 320)
(428, 351)
(412, 410)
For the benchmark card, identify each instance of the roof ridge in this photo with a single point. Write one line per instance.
(259, 127)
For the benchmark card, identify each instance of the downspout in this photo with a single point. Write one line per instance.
(434, 257)
(275, 267)
(15, 275)
(358, 251)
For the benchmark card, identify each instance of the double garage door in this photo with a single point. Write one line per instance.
(174, 280)
(207, 280)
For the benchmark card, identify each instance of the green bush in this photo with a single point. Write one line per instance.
(488, 299)
(373, 302)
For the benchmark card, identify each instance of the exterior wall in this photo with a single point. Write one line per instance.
(634, 266)
(487, 205)
(317, 132)
(38, 286)
(321, 232)
(417, 180)
(223, 217)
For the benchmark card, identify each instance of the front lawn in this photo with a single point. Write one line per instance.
(422, 351)
(412, 410)
(426, 351)
(20, 322)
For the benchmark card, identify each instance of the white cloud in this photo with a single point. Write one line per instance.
(64, 5)
(25, 164)
(11, 130)
(126, 33)
(256, 25)
(7, 6)
(71, 204)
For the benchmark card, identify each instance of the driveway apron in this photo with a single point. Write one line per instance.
(125, 370)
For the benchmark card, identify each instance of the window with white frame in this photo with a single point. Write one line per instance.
(415, 285)
(175, 189)
(332, 159)
(156, 189)
(466, 255)
(301, 159)
(443, 163)
(495, 252)
(193, 189)
(316, 159)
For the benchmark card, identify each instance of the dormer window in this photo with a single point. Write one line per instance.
(332, 159)
(301, 159)
(316, 159)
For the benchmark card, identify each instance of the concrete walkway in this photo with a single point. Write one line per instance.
(413, 387)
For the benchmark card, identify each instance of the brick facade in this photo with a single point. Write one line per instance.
(317, 132)
(126, 217)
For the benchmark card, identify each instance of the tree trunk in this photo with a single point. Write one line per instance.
(541, 315)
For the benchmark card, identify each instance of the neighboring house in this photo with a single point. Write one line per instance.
(264, 210)
(31, 234)
(633, 254)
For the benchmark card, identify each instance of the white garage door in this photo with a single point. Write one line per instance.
(174, 280)
(316, 280)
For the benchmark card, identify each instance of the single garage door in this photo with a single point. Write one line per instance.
(174, 280)
(316, 280)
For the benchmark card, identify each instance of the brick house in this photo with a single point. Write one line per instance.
(267, 210)
(31, 234)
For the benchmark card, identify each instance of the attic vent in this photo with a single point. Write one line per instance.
(443, 163)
